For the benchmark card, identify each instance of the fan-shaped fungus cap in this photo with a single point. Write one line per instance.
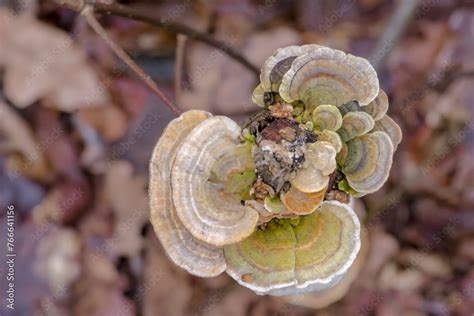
(301, 203)
(279, 63)
(293, 256)
(268, 210)
(322, 299)
(378, 107)
(258, 95)
(322, 136)
(331, 137)
(327, 117)
(328, 76)
(390, 127)
(368, 161)
(320, 162)
(274, 205)
(191, 254)
(209, 213)
(355, 124)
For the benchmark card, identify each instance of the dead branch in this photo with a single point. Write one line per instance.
(173, 27)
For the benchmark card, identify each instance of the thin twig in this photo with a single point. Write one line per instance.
(88, 12)
(173, 27)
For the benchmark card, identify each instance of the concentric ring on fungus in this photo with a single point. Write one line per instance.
(205, 210)
(329, 76)
(378, 107)
(265, 204)
(294, 256)
(368, 161)
(390, 127)
(195, 256)
(279, 63)
(355, 124)
(327, 117)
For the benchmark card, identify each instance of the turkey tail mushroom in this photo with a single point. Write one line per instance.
(209, 213)
(320, 162)
(293, 256)
(195, 256)
(378, 107)
(390, 127)
(264, 204)
(355, 124)
(368, 162)
(331, 137)
(327, 117)
(279, 63)
(328, 76)
(301, 203)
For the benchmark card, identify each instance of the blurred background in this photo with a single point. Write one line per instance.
(77, 128)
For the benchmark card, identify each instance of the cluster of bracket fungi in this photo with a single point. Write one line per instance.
(268, 202)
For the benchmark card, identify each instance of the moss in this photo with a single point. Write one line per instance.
(240, 183)
(343, 185)
(297, 109)
(294, 221)
(286, 243)
(275, 204)
(248, 137)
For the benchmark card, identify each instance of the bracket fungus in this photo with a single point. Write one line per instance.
(206, 159)
(267, 201)
(195, 256)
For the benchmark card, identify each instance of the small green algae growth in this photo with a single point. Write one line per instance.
(294, 221)
(274, 204)
(240, 183)
(343, 185)
(248, 137)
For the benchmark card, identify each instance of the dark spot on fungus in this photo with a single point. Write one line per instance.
(248, 277)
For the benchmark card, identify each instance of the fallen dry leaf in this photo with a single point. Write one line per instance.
(57, 260)
(43, 63)
(127, 195)
(26, 154)
(383, 248)
(214, 77)
(65, 201)
(466, 249)
(100, 289)
(408, 280)
(63, 204)
(429, 263)
(163, 282)
(109, 121)
(235, 303)
(409, 304)
(59, 146)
